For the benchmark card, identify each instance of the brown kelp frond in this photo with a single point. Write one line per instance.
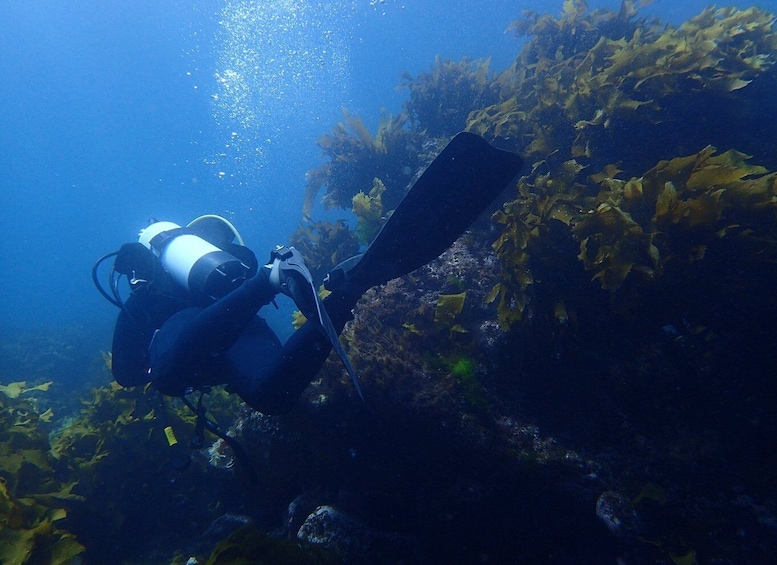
(32, 494)
(669, 217)
(585, 80)
(574, 33)
(369, 212)
(354, 157)
(441, 99)
(324, 245)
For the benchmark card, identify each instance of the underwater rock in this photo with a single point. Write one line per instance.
(355, 542)
(220, 529)
(298, 511)
(224, 525)
(618, 514)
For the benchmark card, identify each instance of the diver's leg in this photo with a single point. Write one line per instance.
(195, 338)
(453, 191)
(274, 387)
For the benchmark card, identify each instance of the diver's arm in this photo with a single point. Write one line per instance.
(207, 335)
(141, 315)
(129, 352)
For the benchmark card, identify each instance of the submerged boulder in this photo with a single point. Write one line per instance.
(356, 542)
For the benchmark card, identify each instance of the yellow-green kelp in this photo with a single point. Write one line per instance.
(598, 96)
(590, 84)
(354, 158)
(369, 212)
(32, 498)
(639, 227)
(66, 484)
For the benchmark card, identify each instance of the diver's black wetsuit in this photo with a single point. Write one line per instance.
(227, 343)
(224, 343)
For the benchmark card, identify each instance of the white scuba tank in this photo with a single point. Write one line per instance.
(204, 270)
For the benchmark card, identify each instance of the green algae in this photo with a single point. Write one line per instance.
(464, 370)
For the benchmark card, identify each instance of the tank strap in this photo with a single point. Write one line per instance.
(160, 240)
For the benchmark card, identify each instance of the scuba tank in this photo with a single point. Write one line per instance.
(205, 271)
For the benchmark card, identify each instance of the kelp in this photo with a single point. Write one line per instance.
(354, 157)
(354, 161)
(369, 212)
(42, 542)
(441, 99)
(13, 390)
(668, 218)
(67, 482)
(590, 84)
(535, 239)
(537, 93)
(610, 92)
(674, 211)
(447, 311)
(117, 447)
(324, 245)
(31, 494)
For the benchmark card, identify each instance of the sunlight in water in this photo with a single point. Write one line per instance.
(281, 65)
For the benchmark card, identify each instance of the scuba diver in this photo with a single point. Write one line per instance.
(191, 318)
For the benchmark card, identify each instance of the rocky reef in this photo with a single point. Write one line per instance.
(586, 376)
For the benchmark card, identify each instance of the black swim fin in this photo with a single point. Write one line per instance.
(451, 193)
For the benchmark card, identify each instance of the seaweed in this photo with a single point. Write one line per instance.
(250, 546)
(31, 495)
(449, 306)
(463, 369)
(440, 100)
(368, 209)
(602, 90)
(608, 91)
(112, 450)
(593, 84)
(354, 158)
(668, 218)
(324, 245)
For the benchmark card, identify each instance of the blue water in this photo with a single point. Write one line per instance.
(115, 112)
